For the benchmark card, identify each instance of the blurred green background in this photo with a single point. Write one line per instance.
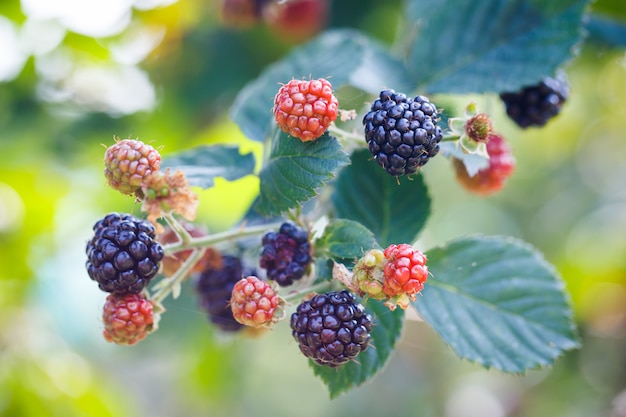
(75, 74)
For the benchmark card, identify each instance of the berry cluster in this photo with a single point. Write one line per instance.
(537, 104)
(402, 132)
(305, 109)
(122, 257)
(286, 254)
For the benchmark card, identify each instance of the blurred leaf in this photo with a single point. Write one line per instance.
(496, 301)
(296, 170)
(609, 31)
(343, 56)
(366, 193)
(464, 46)
(385, 333)
(203, 164)
(346, 239)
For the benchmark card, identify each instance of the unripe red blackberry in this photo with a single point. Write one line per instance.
(394, 275)
(215, 286)
(127, 318)
(406, 271)
(402, 132)
(254, 302)
(305, 109)
(296, 20)
(492, 178)
(123, 255)
(286, 254)
(537, 104)
(128, 162)
(331, 328)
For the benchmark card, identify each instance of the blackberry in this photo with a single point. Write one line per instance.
(127, 318)
(123, 256)
(535, 105)
(331, 328)
(215, 286)
(286, 254)
(402, 132)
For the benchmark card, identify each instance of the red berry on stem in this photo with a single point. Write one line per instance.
(491, 179)
(305, 109)
(296, 20)
(127, 318)
(253, 302)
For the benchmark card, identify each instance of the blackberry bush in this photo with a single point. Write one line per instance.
(320, 167)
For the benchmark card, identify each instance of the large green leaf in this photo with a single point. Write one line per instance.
(496, 301)
(345, 240)
(394, 212)
(468, 46)
(345, 57)
(295, 170)
(203, 164)
(385, 333)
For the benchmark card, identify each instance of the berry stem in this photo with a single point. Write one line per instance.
(213, 239)
(349, 140)
(183, 234)
(296, 295)
(179, 276)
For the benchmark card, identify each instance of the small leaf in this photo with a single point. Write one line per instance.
(366, 193)
(203, 164)
(345, 57)
(464, 46)
(296, 170)
(385, 333)
(496, 301)
(346, 240)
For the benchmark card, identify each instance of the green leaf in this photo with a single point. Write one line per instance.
(366, 193)
(497, 302)
(385, 333)
(345, 57)
(203, 164)
(296, 170)
(465, 46)
(346, 240)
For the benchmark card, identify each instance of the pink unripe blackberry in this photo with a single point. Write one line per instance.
(128, 162)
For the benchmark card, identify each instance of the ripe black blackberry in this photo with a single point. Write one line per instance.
(123, 256)
(331, 328)
(214, 287)
(402, 132)
(286, 254)
(535, 105)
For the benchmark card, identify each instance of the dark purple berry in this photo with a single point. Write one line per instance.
(331, 328)
(537, 104)
(123, 256)
(401, 132)
(286, 254)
